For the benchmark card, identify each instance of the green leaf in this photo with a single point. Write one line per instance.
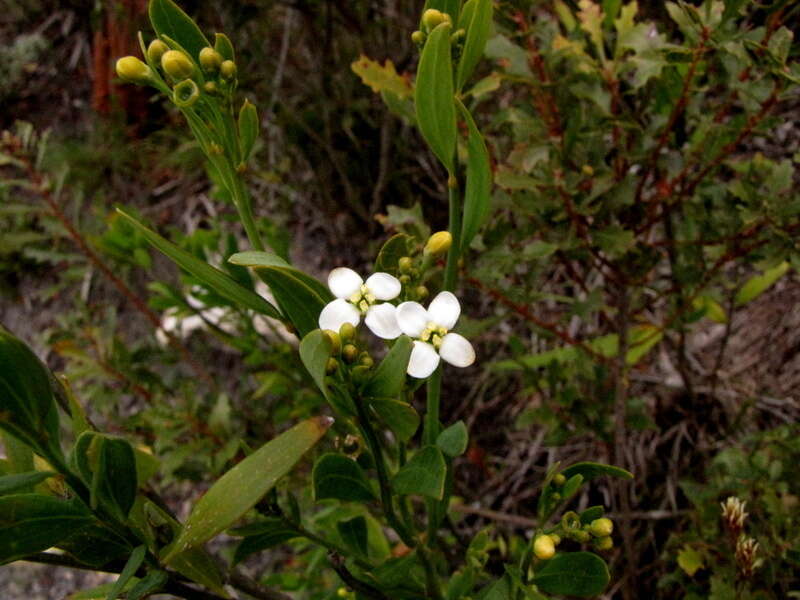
(256, 258)
(479, 182)
(433, 95)
(222, 44)
(116, 471)
(591, 513)
(169, 20)
(31, 523)
(476, 19)
(760, 284)
(215, 279)
(398, 416)
(20, 482)
(96, 545)
(129, 570)
(690, 560)
(453, 440)
(299, 299)
(150, 583)
(390, 376)
(500, 589)
(248, 129)
(354, 533)
(424, 474)
(315, 351)
(571, 486)
(261, 535)
(238, 490)
(590, 470)
(336, 476)
(710, 308)
(395, 248)
(580, 574)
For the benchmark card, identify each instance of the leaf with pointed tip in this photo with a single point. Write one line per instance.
(129, 570)
(248, 129)
(477, 194)
(168, 19)
(222, 44)
(476, 20)
(590, 470)
(19, 482)
(398, 416)
(390, 376)
(453, 440)
(336, 476)
(315, 351)
(424, 474)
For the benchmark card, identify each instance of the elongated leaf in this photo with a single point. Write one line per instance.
(315, 350)
(336, 476)
(390, 376)
(760, 284)
(168, 19)
(479, 182)
(399, 416)
(150, 583)
(424, 474)
(256, 260)
(453, 440)
(592, 513)
(300, 302)
(215, 279)
(261, 536)
(476, 19)
(96, 545)
(590, 470)
(223, 45)
(433, 95)
(238, 490)
(129, 570)
(116, 467)
(31, 523)
(580, 574)
(19, 482)
(248, 129)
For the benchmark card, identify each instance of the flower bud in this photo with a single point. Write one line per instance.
(210, 59)
(132, 69)
(601, 527)
(209, 87)
(405, 264)
(177, 65)
(418, 37)
(439, 243)
(360, 373)
(185, 93)
(334, 339)
(156, 50)
(349, 353)
(421, 292)
(457, 36)
(405, 279)
(543, 547)
(556, 538)
(581, 536)
(228, 69)
(559, 479)
(347, 332)
(331, 366)
(432, 18)
(366, 360)
(604, 543)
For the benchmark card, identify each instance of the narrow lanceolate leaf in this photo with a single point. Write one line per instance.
(215, 279)
(590, 470)
(760, 284)
(341, 478)
(238, 490)
(424, 474)
(581, 574)
(433, 95)
(22, 482)
(257, 260)
(129, 570)
(222, 44)
(248, 129)
(476, 19)
(390, 376)
(479, 182)
(30, 523)
(315, 350)
(168, 19)
(299, 300)
(261, 535)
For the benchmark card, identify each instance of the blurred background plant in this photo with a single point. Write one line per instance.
(634, 286)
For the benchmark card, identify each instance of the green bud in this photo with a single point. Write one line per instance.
(360, 373)
(134, 70)
(602, 527)
(347, 332)
(331, 366)
(418, 38)
(209, 87)
(227, 69)
(366, 360)
(210, 59)
(604, 543)
(556, 497)
(405, 279)
(439, 243)
(156, 50)
(559, 479)
(177, 65)
(405, 264)
(543, 547)
(580, 536)
(431, 18)
(349, 353)
(421, 292)
(185, 93)
(334, 339)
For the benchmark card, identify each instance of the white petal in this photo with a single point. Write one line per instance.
(337, 313)
(412, 318)
(383, 286)
(344, 282)
(444, 310)
(457, 350)
(424, 360)
(382, 321)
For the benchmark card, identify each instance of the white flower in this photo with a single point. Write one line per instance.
(432, 338)
(355, 297)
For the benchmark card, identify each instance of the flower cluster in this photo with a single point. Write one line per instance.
(429, 328)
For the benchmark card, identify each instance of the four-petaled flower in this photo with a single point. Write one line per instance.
(356, 297)
(432, 338)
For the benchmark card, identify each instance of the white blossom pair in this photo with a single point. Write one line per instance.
(430, 329)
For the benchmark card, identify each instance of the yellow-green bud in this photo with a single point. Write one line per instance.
(559, 479)
(421, 292)
(331, 366)
(132, 69)
(556, 538)
(342, 592)
(177, 65)
(432, 18)
(156, 50)
(227, 69)
(405, 264)
(366, 360)
(210, 59)
(457, 36)
(405, 279)
(543, 547)
(602, 527)
(587, 170)
(334, 339)
(347, 332)
(439, 243)
(360, 373)
(556, 497)
(418, 37)
(210, 87)
(185, 93)
(349, 353)
(581, 536)
(604, 543)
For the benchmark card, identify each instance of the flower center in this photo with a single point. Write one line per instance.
(433, 334)
(362, 299)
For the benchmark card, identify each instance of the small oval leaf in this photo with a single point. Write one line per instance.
(453, 440)
(169, 20)
(338, 477)
(424, 474)
(580, 574)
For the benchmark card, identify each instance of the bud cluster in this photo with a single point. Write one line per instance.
(746, 556)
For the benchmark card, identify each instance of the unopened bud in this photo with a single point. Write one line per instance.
(405, 264)
(132, 69)
(559, 479)
(227, 69)
(604, 543)
(209, 87)
(405, 279)
(366, 360)
(177, 65)
(587, 170)
(418, 37)
(156, 50)
(457, 36)
(580, 535)
(331, 366)
(349, 353)
(431, 18)
(543, 547)
(334, 339)
(556, 538)
(185, 93)
(360, 373)
(421, 292)
(347, 332)
(210, 59)
(439, 243)
(602, 527)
